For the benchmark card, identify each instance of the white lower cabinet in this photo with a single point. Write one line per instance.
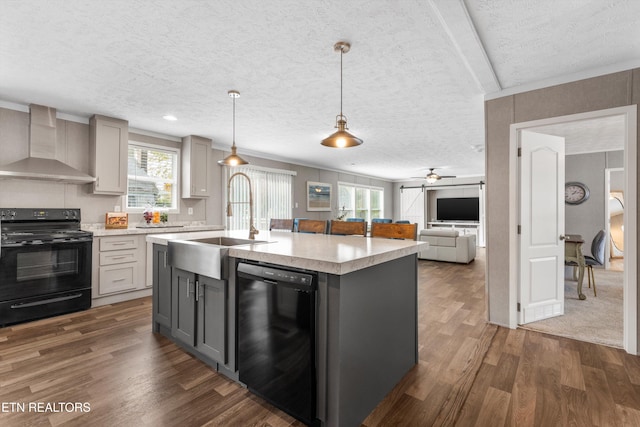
(119, 265)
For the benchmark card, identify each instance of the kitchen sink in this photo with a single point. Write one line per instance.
(204, 256)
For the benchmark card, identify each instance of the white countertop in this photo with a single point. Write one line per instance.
(101, 231)
(316, 252)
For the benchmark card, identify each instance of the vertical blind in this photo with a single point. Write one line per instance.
(412, 205)
(272, 197)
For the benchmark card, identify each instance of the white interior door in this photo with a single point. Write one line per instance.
(542, 226)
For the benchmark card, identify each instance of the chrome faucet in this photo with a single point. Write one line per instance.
(252, 230)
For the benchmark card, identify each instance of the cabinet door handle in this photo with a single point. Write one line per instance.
(119, 257)
(118, 280)
(165, 260)
(197, 290)
(188, 286)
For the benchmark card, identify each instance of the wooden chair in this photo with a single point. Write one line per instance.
(281, 224)
(394, 231)
(312, 226)
(348, 228)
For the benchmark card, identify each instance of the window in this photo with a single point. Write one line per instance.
(152, 177)
(272, 196)
(359, 201)
(412, 205)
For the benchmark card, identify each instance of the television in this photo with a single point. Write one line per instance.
(458, 209)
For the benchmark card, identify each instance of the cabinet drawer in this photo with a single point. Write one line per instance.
(117, 243)
(119, 277)
(117, 257)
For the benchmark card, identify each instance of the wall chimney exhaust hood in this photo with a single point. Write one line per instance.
(42, 163)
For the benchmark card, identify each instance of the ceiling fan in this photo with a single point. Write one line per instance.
(433, 177)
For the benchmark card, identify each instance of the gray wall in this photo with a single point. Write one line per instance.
(598, 93)
(73, 146)
(587, 218)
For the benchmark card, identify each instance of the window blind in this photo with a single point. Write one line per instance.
(272, 196)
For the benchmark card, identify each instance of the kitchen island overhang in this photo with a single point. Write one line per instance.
(367, 336)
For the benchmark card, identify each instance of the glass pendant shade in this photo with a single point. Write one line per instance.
(432, 177)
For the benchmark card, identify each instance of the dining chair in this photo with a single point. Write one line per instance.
(312, 226)
(381, 220)
(394, 231)
(295, 223)
(280, 224)
(348, 228)
(596, 257)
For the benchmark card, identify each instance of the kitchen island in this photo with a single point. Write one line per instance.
(366, 312)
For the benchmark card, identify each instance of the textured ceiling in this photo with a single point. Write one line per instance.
(414, 80)
(589, 136)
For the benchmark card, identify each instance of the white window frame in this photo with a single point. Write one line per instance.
(367, 187)
(176, 181)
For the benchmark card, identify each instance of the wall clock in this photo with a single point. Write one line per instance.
(575, 193)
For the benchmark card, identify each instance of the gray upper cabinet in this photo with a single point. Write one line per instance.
(108, 148)
(195, 167)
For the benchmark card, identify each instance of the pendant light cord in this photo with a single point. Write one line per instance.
(341, 53)
(234, 121)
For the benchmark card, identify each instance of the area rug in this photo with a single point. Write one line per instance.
(597, 319)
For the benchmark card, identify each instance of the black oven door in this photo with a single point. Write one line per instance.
(41, 280)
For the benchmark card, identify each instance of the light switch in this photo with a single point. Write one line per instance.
(190, 211)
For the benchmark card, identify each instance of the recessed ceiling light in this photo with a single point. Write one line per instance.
(170, 118)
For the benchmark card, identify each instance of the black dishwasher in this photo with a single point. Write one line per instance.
(276, 336)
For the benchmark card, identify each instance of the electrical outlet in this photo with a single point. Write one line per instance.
(190, 211)
(116, 208)
(296, 205)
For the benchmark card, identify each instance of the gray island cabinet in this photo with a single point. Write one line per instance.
(366, 312)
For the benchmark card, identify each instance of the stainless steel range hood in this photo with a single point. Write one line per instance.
(42, 163)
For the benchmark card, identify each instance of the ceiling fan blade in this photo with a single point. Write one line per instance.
(447, 176)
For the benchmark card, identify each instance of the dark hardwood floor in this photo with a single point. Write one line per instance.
(470, 373)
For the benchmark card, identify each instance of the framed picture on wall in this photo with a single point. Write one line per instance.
(318, 196)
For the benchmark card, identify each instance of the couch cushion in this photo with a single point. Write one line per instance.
(439, 233)
(439, 241)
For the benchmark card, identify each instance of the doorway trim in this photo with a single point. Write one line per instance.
(607, 213)
(630, 333)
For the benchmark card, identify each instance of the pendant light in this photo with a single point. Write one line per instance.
(341, 138)
(233, 159)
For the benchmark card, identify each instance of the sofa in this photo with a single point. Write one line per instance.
(447, 245)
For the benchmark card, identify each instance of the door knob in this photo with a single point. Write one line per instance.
(563, 237)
